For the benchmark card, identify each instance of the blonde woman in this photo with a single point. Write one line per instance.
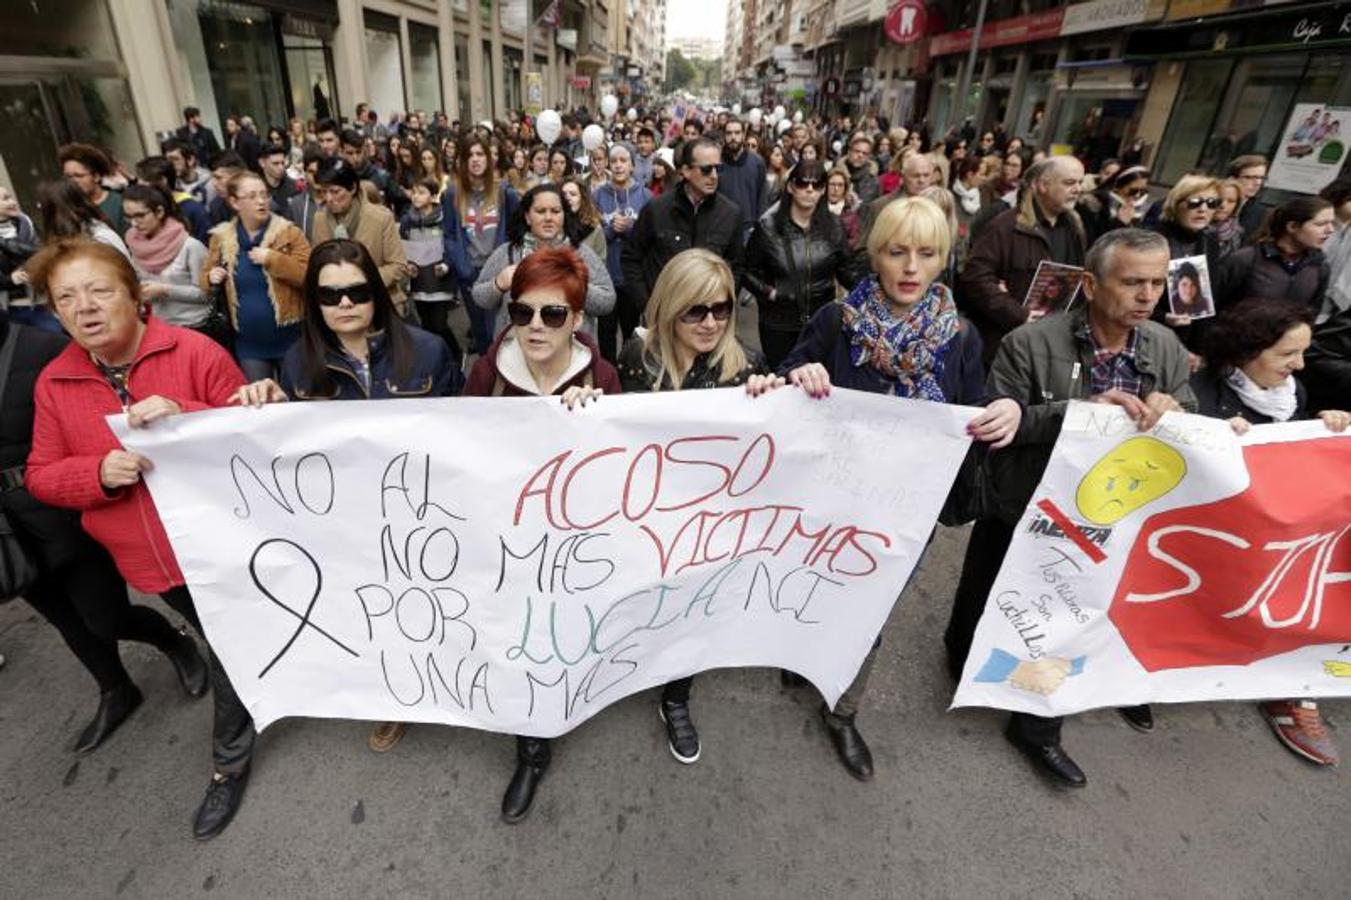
(1225, 226)
(897, 333)
(690, 344)
(1188, 211)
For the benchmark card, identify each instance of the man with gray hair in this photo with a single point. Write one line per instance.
(1004, 257)
(1106, 350)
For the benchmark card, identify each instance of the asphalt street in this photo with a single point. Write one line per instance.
(1207, 806)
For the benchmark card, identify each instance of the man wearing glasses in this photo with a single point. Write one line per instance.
(1250, 171)
(692, 214)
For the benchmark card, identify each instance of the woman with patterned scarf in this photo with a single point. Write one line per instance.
(898, 333)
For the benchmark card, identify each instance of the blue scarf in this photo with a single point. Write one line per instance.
(909, 351)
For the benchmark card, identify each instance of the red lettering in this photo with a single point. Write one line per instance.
(552, 467)
(656, 482)
(764, 471)
(567, 484)
(726, 472)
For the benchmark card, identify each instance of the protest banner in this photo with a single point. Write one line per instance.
(1184, 563)
(509, 565)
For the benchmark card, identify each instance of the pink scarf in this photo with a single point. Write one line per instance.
(155, 253)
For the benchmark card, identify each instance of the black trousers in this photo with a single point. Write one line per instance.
(435, 317)
(677, 691)
(232, 733)
(86, 601)
(985, 553)
(618, 324)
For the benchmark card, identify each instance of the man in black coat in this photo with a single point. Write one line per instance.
(203, 139)
(691, 214)
(742, 179)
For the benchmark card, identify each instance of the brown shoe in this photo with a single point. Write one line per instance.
(386, 735)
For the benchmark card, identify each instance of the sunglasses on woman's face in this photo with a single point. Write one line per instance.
(1198, 202)
(1137, 193)
(813, 184)
(697, 313)
(332, 296)
(553, 315)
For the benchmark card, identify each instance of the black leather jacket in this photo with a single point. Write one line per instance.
(669, 225)
(799, 267)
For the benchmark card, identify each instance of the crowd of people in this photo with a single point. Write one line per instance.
(429, 258)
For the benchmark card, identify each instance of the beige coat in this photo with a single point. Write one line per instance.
(285, 267)
(378, 232)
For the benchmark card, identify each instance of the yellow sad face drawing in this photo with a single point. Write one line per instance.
(1130, 475)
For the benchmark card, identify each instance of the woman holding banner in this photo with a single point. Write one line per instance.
(148, 371)
(898, 333)
(542, 353)
(690, 344)
(1252, 353)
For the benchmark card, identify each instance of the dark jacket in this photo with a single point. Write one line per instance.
(14, 252)
(961, 374)
(800, 267)
(203, 142)
(1259, 271)
(390, 192)
(282, 194)
(743, 182)
(1215, 398)
(1044, 365)
(52, 534)
(485, 380)
(638, 372)
(1251, 216)
(669, 225)
(1183, 243)
(1009, 249)
(302, 210)
(247, 145)
(864, 181)
(434, 372)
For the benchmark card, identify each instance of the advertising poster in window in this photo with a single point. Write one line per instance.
(1312, 148)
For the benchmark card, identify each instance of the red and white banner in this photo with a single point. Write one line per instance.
(1181, 564)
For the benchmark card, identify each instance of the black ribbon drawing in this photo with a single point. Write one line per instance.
(309, 609)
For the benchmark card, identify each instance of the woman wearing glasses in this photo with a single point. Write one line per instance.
(690, 343)
(543, 353)
(897, 333)
(259, 260)
(1188, 211)
(796, 255)
(354, 346)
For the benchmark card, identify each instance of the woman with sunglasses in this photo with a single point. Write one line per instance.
(897, 333)
(1188, 211)
(544, 353)
(796, 255)
(354, 346)
(544, 219)
(690, 344)
(1116, 203)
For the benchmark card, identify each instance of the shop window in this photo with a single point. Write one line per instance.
(385, 81)
(241, 53)
(70, 28)
(1254, 110)
(1189, 133)
(424, 57)
(462, 75)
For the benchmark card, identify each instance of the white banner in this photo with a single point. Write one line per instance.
(508, 565)
(1181, 564)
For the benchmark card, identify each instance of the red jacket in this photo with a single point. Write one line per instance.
(486, 380)
(70, 439)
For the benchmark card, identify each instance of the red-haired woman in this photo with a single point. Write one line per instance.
(543, 353)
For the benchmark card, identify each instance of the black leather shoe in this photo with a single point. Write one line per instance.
(681, 737)
(791, 679)
(191, 668)
(219, 806)
(1051, 760)
(114, 707)
(850, 746)
(1141, 717)
(531, 764)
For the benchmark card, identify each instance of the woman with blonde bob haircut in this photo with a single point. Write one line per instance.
(1188, 211)
(898, 333)
(690, 343)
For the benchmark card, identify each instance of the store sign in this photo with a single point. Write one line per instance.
(581, 82)
(1102, 15)
(907, 22)
(1004, 33)
(1195, 9)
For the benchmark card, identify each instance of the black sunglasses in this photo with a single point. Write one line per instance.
(332, 296)
(813, 183)
(1198, 202)
(709, 168)
(697, 313)
(553, 316)
(1136, 193)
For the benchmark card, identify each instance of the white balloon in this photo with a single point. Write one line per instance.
(780, 112)
(784, 125)
(593, 136)
(548, 125)
(609, 104)
(756, 115)
(631, 115)
(837, 147)
(797, 117)
(736, 109)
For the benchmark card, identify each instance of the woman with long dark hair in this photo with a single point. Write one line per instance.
(1286, 259)
(483, 205)
(168, 259)
(67, 212)
(544, 219)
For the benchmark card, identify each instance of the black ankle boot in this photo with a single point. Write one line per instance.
(532, 761)
(114, 707)
(849, 745)
(189, 665)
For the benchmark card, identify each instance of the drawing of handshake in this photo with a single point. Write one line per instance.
(1040, 676)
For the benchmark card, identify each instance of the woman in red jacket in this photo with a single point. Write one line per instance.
(542, 353)
(118, 363)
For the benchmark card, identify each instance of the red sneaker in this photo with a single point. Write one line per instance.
(1299, 726)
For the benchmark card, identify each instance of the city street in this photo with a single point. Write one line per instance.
(1207, 806)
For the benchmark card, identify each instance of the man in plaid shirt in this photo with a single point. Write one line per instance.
(1107, 351)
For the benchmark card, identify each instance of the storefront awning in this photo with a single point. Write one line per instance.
(1093, 63)
(1307, 26)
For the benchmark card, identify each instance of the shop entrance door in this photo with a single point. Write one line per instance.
(36, 117)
